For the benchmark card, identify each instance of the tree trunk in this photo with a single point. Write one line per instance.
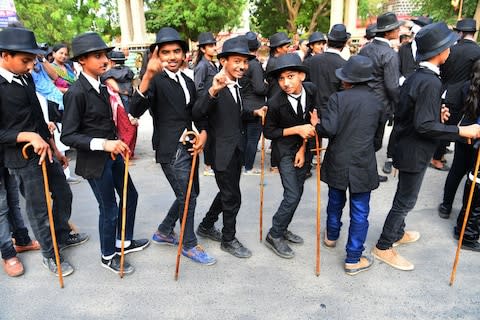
(318, 12)
(293, 7)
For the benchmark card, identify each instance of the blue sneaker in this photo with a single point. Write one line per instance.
(199, 255)
(170, 240)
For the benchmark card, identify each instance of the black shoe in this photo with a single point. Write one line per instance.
(387, 167)
(74, 239)
(292, 237)
(444, 211)
(113, 265)
(211, 233)
(279, 246)
(471, 245)
(235, 248)
(51, 264)
(135, 245)
(308, 175)
(382, 178)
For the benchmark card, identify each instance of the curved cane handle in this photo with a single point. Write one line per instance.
(186, 138)
(24, 150)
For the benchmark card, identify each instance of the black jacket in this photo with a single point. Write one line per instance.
(417, 127)
(322, 69)
(123, 75)
(171, 115)
(254, 88)
(203, 75)
(352, 121)
(87, 115)
(407, 63)
(280, 115)
(20, 111)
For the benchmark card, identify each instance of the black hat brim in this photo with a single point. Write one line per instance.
(23, 50)
(235, 53)
(332, 38)
(465, 29)
(182, 43)
(390, 27)
(107, 49)
(281, 43)
(207, 42)
(342, 76)
(449, 41)
(276, 72)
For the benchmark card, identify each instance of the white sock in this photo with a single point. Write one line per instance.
(108, 257)
(118, 243)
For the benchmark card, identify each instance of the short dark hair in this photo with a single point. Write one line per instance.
(380, 34)
(59, 46)
(12, 53)
(336, 44)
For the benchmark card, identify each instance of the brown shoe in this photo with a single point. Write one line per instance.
(33, 245)
(13, 267)
(408, 237)
(363, 265)
(329, 243)
(392, 258)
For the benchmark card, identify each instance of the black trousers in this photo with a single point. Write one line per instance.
(472, 230)
(463, 159)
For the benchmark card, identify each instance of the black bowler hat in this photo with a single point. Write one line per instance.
(370, 31)
(466, 25)
(117, 56)
(253, 43)
(279, 39)
(205, 38)
(86, 43)
(422, 21)
(357, 69)
(168, 35)
(19, 40)
(338, 33)
(235, 46)
(433, 39)
(387, 22)
(317, 36)
(287, 62)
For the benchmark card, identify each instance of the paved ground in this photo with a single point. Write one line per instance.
(262, 287)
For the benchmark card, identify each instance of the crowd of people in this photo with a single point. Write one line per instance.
(427, 89)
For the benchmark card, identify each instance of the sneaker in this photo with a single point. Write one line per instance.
(329, 243)
(74, 239)
(279, 246)
(408, 237)
(292, 237)
(73, 180)
(199, 255)
(252, 172)
(235, 248)
(33, 245)
(113, 265)
(363, 264)
(444, 211)
(392, 258)
(135, 245)
(274, 170)
(382, 178)
(51, 265)
(170, 240)
(13, 267)
(208, 172)
(387, 167)
(211, 233)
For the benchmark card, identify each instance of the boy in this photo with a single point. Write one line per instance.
(352, 121)
(224, 108)
(88, 126)
(170, 95)
(22, 122)
(418, 126)
(288, 126)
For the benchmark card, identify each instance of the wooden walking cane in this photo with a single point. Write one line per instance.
(465, 219)
(187, 198)
(318, 149)
(124, 212)
(48, 199)
(262, 178)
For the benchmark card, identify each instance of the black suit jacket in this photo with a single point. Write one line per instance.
(407, 63)
(87, 115)
(280, 115)
(225, 125)
(171, 115)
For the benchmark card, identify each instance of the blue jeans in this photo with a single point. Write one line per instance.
(6, 244)
(292, 181)
(177, 173)
(253, 130)
(30, 179)
(17, 224)
(405, 199)
(110, 222)
(359, 210)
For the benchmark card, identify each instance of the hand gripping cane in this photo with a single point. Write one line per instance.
(48, 200)
(318, 149)
(262, 178)
(187, 197)
(465, 219)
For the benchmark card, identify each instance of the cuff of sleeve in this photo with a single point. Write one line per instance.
(141, 94)
(97, 144)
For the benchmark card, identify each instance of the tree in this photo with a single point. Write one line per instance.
(269, 16)
(440, 10)
(191, 17)
(55, 21)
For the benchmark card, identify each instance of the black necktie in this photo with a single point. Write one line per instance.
(299, 106)
(22, 80)
(239, 99)
(178, 79)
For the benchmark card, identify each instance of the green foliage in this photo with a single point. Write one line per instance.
(369, 8)
(56, 21)
(442, 10)
(190, 17)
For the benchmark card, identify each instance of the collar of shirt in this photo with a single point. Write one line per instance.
(231, 86)
(9, 76)
(94, 82)
(292, 98)
(414, 49)
(174, 76)
(430, 66)
(384, 40)
(331, 50)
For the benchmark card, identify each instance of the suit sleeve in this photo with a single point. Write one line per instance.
(328, 125)
(73, 114)
(391, 76)
(199, 76)
(272, 130)
(140, 103)
(259, 85)
(203, 105)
